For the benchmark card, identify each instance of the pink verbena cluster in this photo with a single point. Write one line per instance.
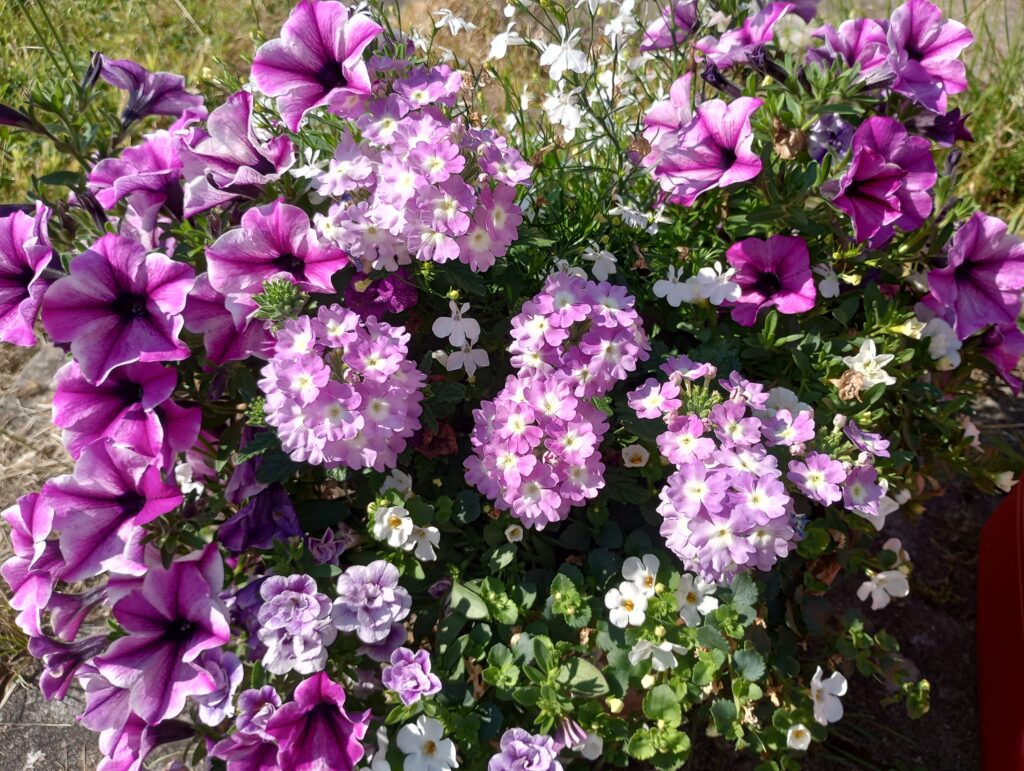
(537, 444)
(412, 182)
(726, 507)
(341, 391)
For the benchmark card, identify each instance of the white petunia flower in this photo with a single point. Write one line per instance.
(457, 328)
(662, 655)
(514, 533)
(469, 359)
(643, 573)
(635, 456)
(828, 706)
(798, 737)
(695, 596)
(673, 290)
(829, 285)
(713, 284)
(455, 24)
(393, 525)
(425, 747)
(627, 604)
(882, 587)
(604, 262)
(870, 364)
(562, 56)
(422, 542)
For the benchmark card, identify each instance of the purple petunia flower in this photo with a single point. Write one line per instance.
(267, 516)
(771, 273)
(523, 751)
(1003, 345)
(119, 305)
(228, 324)
(25, 253)
(854, 43)
(393, 293)
(983, 276)
(228, 160)
(171, 618)
(370, 601)
(149, 93)
(62, 661)
(317, 61)
(409, 675)
(132, 406)
(923, 54)
(226, 670)
(866, 441)
(315, 732)
(99, 510)
(274, 242)
(295, 625)
(677, 20)
(30, 571)
(712, 150)
(887, 182)
(734, 46)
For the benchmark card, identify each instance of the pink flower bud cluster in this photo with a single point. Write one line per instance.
(537, 445)
(341, 391)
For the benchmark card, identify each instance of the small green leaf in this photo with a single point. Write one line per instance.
(750, 664)
(467, 602)
(583, 678)
(641, 745)
(662, 704)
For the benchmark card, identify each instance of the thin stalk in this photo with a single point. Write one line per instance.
(57, 36)
(40, 36)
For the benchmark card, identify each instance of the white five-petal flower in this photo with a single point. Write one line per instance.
(662, 655)
(459, 329)
(696, 598)
(562, 56)
(673, 289)
(393, 525)
(627, 605)
(870, 364)
(604, 262)
(425, 747)
(826, 693)
(643, 573)
(882, 587)
(798, 737)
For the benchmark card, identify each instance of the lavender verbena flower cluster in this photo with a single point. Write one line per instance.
(295, 625)
(726, 507)
(536, 446)
(418, 184)
(340, 390)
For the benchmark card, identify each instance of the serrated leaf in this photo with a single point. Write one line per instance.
(641, 745)
(750, 664)
(710, 637)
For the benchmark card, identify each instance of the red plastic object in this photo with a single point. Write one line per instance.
(1000, 636)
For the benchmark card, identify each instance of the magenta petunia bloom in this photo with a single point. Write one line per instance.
(983, 276)
(100, 508)
(228, 161)
(713, 150)
(30, 572)
(855, 42)
(775, 272)
(149, 93)
(314, 732)
(1003, 345)
(25, 253)
(317, 61)
(677, 20)
(923, 54)
(887, 182)
(734, 46)
(173, 617)
(228, 324)
(391, 294)
(274, 242)
(132, 406)
(118, 306)
(62, 661)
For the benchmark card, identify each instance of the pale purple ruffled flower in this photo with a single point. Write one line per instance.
(295, 625)
(523, 751)
(409, 675)
(676, 20)
(30, 571)
(226, 670)
(734, 46)
(370, 600)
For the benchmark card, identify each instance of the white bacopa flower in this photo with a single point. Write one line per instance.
(455, 24)
(829, 285)
(673, 289)
(604, 262)
(398, 481)
(593, 746)
(467, 358)
(943, 344)
(457, 328)
(562, 56)
(882, 587)
(713, 284)
(828, 706)
(422, 542)
(696, 599)
(393, 525)
(870, 364)
(425, 747)
(501, 42)
(563, 110)
(635, 456)
(514, 533)
(798, 737)
(643, 573)
(895, 545)
(627, 604)
(662, 655)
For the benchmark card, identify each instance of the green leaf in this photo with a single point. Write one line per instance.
(750, 664)
(641, 745)
(467, 602)
(723, 712)
(259, 444)
(662, 704)
(276, 467)
(583, 678)
(710, 637)
(466, 508)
